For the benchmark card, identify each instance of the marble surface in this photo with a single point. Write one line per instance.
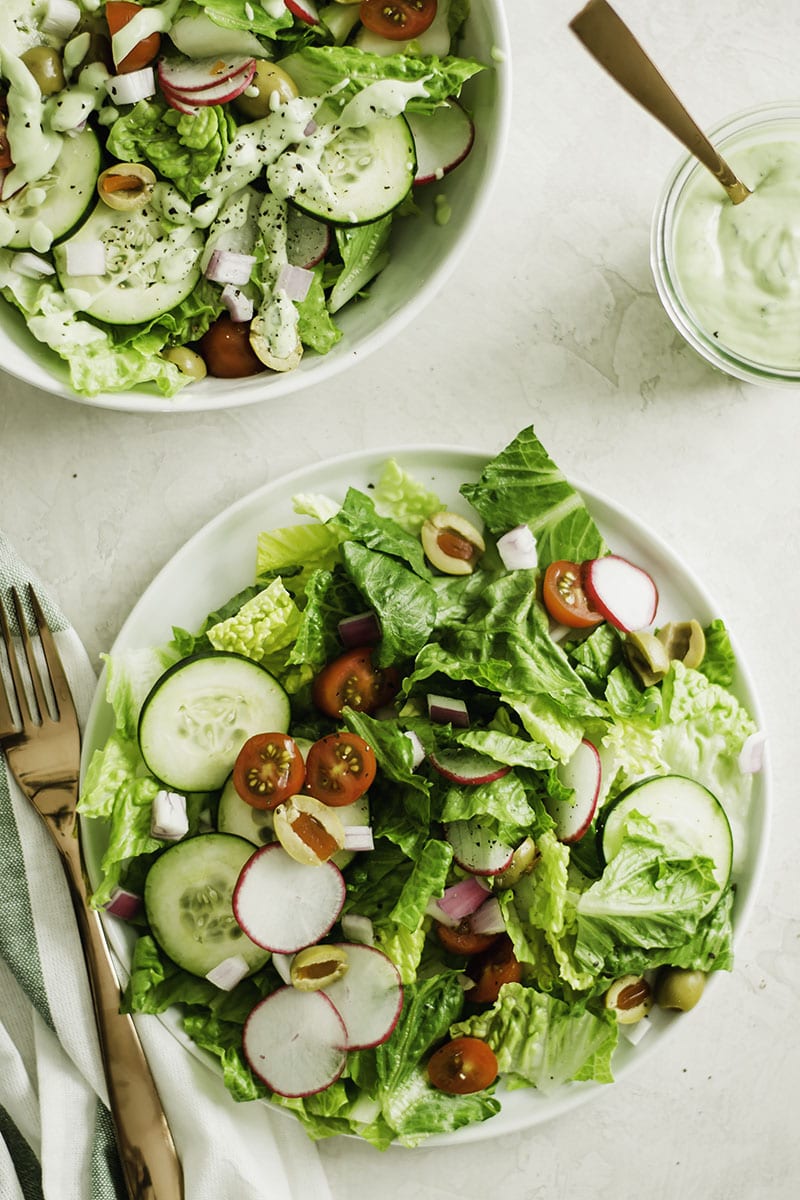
(551, 319)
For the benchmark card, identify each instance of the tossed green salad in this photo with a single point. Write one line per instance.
(193, 187)
(439, 801)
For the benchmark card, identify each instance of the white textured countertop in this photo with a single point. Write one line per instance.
(552, 319)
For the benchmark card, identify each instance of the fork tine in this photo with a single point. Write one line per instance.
(58, 677)
(33, 666)
(13, 662)
(7, 722)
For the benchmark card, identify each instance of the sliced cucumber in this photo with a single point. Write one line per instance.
(188, 899)
(58, 200)
(150, 267)
(680, 806)
(236, 816)
(360, 176)
(199, 714)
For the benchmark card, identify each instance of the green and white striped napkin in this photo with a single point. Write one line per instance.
(56, 1135)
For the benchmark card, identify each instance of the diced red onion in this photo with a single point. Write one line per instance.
(228, 973)
(169, 820)
(517, 548)
(123, 904)
(488, 918)
(463, 898)
(446, 709)
(751, 755)
(85, 258)
(239, 306)
(229, 266)
(62, 17)
(417, 748)
(294, 281)
(361, 630)
(358, 928)
(310, 128)
(31, 265)
(283, 965)
(132, 86)
(358, 837)
(432, 909)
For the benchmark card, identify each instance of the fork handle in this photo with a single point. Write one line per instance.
(149, 1160)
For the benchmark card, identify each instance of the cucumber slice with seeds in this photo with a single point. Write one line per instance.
(677, 804)
(188, 899)
(200, 713)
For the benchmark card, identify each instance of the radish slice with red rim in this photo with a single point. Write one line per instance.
(198, 75)
(368, 997)
(582, 773)
(478, 849)
(307, 243)
(283, 905)
(306, 10)
(462, 765)
(443, 139)
(295, 1042)
(624, 593)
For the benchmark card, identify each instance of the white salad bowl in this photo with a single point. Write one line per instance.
(424, 253)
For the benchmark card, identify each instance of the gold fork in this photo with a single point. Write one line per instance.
(42, 748)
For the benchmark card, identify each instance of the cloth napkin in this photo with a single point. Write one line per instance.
(56, 1135)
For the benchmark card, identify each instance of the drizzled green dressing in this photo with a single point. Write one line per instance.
(738, 266)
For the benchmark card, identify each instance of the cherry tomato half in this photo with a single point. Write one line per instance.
(460, 939)
(226, 348)
(268, 769)
(467, 1064)
(339, 769)
(354, 680)
(398, 20)
(118, 14)
(491, 969)
(564, 596)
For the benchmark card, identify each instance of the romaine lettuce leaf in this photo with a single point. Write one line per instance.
(523, 486)
(400, 496)
(404, 604)
(181, 147)
(542, 1042)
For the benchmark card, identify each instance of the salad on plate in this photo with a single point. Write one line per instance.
(198, 187)
(437, 809)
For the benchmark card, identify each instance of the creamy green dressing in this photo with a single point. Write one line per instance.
(738, 266)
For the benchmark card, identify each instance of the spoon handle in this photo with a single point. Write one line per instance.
(606, 36)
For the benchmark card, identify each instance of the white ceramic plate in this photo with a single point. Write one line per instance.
(220, 560)
(424, 254)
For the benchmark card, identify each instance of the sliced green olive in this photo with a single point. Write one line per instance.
(126, 186)
(646, 657)
(523, 860)
(44, 64)
(318, 967)
(187, 361)
(452, 543)
(629, 998)
(684, 641)
(680, 988)
(309, 831)
(269, 81)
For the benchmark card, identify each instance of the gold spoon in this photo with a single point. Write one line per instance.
(606, 36)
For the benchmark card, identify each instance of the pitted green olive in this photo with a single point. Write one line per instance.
(629, 998)
(523, 860)
(684, 641)
(452, 543)
(318, 967)
(680, 988)
(269, 81)
(309, 831)
(187, 361)
(44, 64)
(126, 186)
(647, 657)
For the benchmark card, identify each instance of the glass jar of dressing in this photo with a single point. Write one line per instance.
(729, 275)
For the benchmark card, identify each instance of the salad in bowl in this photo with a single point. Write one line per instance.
(452, 802)
(218, 200)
